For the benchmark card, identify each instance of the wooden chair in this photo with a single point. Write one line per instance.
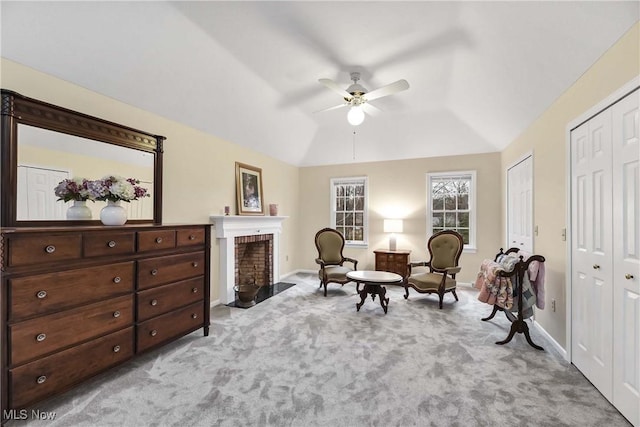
(330, 244)
(445, 248)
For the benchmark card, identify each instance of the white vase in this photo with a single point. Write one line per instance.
(113, 214)
(79, 211)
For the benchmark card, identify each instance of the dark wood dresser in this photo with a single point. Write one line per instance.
(393, 261)
(77, 301)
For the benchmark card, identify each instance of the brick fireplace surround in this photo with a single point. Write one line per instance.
(254, 259)
(231, 229)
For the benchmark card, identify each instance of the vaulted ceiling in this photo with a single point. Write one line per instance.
(479, 72)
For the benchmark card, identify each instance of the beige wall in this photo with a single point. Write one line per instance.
(199, 169)
(401, 186)
(546, 137)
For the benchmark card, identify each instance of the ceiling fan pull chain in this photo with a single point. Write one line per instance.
(354, 145)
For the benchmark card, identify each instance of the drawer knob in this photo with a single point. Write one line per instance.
(154, 272)
(154, 302)
(194, 316)
(117, 279)
(158, 239)
(116, 314)
(194, 290)
(41, 379)
(192, 237)
(41, 337)
(195, 264)
(628, 276)
(112, 243)
(116, 348)
(50, 249)
(153, 333)
(41, 294)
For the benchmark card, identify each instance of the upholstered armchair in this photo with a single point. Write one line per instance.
(445, 248)
(330, 244)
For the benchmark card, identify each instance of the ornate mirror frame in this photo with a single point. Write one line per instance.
(16, 109)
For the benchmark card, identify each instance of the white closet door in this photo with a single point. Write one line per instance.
(592, 304)
(626, 276)
(141, 208)
(40, 202)
(520, 205)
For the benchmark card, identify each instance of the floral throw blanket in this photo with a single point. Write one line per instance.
(493, 288)
(500, 290)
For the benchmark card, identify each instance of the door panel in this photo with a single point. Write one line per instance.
(592, 251)
(520, 205)
(626, 279)
(39, 200)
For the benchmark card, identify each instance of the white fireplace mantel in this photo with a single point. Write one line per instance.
(227, 228)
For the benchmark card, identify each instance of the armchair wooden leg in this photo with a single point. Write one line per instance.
(441, 296)
(455, 295)
(406, 292)
(325, 289)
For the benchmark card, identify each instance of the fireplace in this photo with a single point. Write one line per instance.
(254, 260)
(256, 235)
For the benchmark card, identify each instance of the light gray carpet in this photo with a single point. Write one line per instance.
(300, 359)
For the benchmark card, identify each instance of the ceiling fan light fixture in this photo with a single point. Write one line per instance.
(355, 115)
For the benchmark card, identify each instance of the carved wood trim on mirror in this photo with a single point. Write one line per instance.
(21, 115)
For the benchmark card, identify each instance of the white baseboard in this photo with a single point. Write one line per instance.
(558, 347)
(214, 302)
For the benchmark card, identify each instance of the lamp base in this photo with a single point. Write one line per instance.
(392, 243)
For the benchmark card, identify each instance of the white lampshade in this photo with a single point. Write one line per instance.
(355, 116)
(393, 226)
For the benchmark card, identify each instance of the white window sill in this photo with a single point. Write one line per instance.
(356, 245)
(469, 249)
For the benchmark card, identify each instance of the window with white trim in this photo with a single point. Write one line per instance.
(451, 204)
(349, 209)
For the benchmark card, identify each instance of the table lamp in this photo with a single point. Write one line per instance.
(392, 226)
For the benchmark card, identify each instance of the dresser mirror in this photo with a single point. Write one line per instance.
(43, 144)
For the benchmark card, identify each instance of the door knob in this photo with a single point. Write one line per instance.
(628, 276)
(596, 267)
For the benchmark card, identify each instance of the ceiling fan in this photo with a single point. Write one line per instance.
(358, 98)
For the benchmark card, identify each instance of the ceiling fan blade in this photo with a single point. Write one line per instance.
(389, 89)
(371, 109)
(334, 87)
(335, 107)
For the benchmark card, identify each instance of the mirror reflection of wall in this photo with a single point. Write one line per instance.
(46, 157)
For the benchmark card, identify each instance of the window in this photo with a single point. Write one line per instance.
(451, 204)
(349, 207)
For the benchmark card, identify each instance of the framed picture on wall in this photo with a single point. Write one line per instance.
(249, 190)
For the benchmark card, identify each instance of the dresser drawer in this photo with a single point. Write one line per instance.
(163, 299)
(168, 326)
(190, 237)
(100, 244)
(158, 271)
(36, 337)
(48, 375)
(30, 250)
(154, 240)
(45, 293)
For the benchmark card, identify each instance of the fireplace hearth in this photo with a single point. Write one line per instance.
(263, 294)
